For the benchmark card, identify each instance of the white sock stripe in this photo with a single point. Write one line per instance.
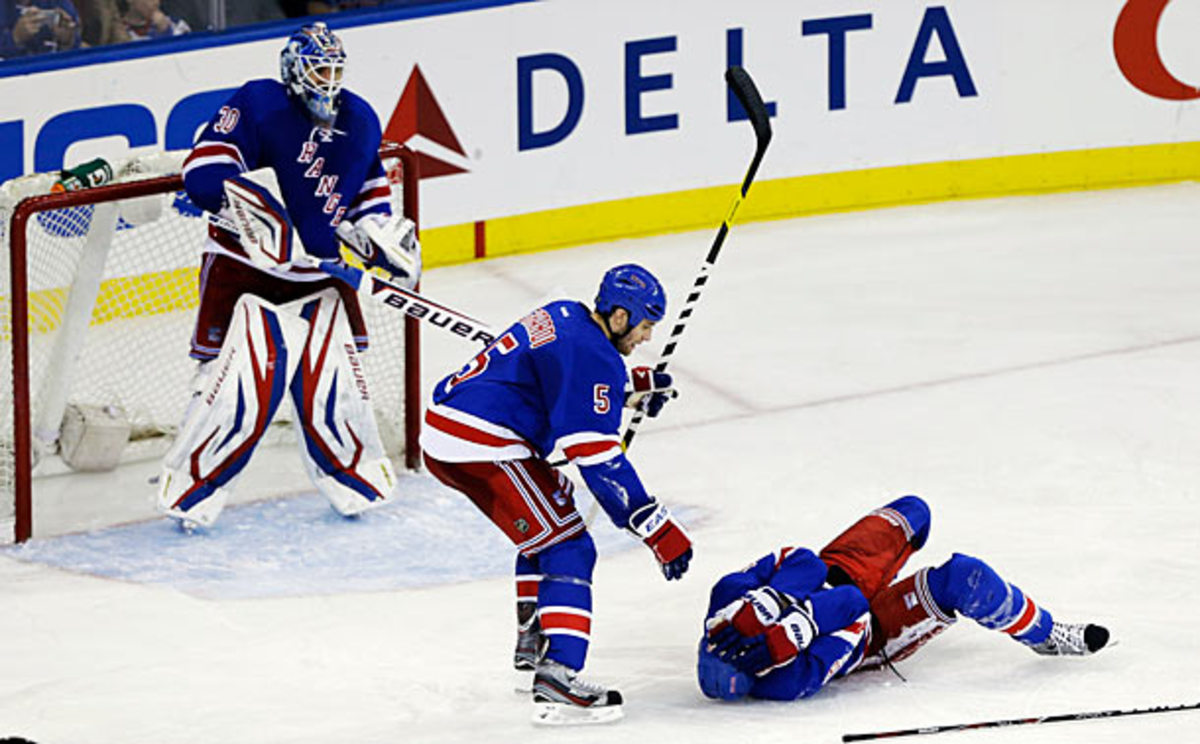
(567, 632)
(1012, 624)
(566, 610)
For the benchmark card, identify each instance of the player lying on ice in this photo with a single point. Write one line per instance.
(557, 377)
(791, 622)
(289, 329)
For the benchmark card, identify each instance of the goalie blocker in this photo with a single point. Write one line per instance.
(302, 350)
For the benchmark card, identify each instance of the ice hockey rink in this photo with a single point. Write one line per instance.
(1028, 365)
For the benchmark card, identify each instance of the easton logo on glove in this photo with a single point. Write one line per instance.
(664, 536)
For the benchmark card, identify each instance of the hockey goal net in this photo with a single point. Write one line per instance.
(98, 293)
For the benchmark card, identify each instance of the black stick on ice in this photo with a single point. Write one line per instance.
(1018, 722)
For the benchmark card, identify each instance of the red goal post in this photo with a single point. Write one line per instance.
(101, 296)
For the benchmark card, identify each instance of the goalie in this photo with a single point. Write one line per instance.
(270, 324)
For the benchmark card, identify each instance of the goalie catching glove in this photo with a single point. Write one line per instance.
(649, 390)
(385, 244)
(655, 526)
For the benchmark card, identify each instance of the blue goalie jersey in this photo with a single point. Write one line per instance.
(325, 174)
(553, 379)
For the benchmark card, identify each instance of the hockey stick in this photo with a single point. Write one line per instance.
(743, 87)
(740, 82)
(269, 241)
(1019, 722)
(409, 302)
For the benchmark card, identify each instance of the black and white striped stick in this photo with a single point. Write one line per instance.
(743, 87)
(1018, 722)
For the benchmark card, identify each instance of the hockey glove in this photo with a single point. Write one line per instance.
(385, 245)
(744, 618)
(779, 644)
(654, 525)
(649, 390)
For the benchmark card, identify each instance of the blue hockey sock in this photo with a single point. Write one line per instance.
(565, 599)
(971, 587)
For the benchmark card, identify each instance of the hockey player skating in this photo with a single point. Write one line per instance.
(556, 377)
(793, 621)
(287, 330)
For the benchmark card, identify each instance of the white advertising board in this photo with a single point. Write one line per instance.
(564, 103)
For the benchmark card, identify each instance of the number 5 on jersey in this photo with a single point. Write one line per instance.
(505, 344)
(600, 399)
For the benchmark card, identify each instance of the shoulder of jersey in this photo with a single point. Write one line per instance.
(356, 106)
(266, 95)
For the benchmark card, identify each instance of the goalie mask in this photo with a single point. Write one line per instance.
(311, 66)
(635, 289)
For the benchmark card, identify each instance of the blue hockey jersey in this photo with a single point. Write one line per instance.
(840, 613)
(551, 379)
(325, 174)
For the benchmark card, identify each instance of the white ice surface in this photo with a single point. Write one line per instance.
(1028, 365)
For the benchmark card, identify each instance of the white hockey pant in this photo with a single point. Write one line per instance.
(304, 348)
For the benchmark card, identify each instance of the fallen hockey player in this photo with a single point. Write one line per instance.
(793, 621)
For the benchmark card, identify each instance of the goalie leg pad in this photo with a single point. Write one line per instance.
(872, 551)
(337, 433)
(234, 399)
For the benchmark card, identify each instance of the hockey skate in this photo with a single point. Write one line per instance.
(1073, 640)
(531, 645)
(562, 698)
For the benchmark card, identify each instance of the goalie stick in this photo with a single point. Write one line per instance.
(409, 302)
(269, 241)
(1019, 722)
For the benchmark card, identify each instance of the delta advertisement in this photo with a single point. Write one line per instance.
(557, 122)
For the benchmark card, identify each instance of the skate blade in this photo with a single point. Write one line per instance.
(561, 714)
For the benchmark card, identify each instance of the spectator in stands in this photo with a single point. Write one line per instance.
(37, 26)
(252, 11)
(144, 19)
(102, 23)
(296, 8)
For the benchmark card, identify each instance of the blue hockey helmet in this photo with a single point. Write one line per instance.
(311, 66)
(719, 679)
(635, 289)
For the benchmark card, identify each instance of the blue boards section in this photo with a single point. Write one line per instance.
(299, 546)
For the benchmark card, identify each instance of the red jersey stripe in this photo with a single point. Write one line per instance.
(586, 449)
(469, 433)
